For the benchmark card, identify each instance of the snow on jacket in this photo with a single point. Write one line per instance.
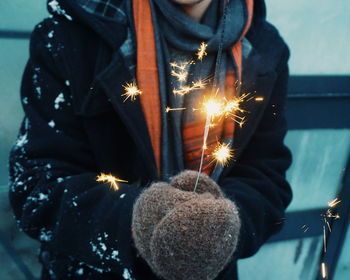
(76, 125)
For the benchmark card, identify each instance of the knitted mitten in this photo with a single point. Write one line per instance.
(186, 181)
(196, 240)
(153, 205)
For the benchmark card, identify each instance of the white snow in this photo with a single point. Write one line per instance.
(67, 83)
(126, 274)
(50, 34)
(43, 196)
(22, 140)
(55, 6)
(59, 99)
(52, 124)
(80, 271)
(45, 235)
(103, 246)
(122, 195)
(60, 180)
(38, 91)
(114, 254)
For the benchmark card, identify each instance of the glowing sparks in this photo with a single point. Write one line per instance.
(109, 178)
(334, 203)
(328, 217)
(223, 153)
(202, 51)
(179, 71)
(181, 76)
(168, 109)
(305, 228)
(131, 91)
(259, 99)
(213, 108)
(324, 270)
(200, 84)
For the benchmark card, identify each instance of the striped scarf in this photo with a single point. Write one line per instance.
(148, 79)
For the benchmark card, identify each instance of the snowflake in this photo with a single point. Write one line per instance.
(56, 8)
(59, 99)
(52, 124)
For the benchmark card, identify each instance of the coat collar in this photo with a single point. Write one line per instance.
(106, 94)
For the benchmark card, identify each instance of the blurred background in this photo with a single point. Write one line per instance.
(318, 33)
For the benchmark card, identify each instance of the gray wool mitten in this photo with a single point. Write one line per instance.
(195, 240)
(153, 205)
(186, 181)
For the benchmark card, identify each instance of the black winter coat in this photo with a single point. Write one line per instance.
(76, 125)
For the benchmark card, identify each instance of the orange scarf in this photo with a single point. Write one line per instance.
(148, 82)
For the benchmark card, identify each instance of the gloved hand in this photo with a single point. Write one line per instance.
(152, 206)
(185, 235)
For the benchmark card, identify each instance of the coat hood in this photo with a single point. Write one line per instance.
(88, 13)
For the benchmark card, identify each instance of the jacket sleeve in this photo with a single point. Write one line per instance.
(53, 188)
(257, 182)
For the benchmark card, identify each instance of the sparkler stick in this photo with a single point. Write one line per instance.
(206, 132)
(212, 108)
(109, 178)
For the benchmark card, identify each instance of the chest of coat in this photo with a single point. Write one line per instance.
(118, 132)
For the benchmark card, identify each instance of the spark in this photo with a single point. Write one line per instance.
(200, 84)
(305, 228)
(179, 70)
(182, 66)
(223, 153)
(334, 203)
(181, 76)
(109, 178)
(259, 98)
(213, 108)
(324, 270)
(168, 109)
(201, 53)
(328, 216)
(131, 91)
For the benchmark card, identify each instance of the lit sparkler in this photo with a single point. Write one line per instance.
(215, 108)
(328, 216)
(112, 180)
(202, 51)
(131, 91)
